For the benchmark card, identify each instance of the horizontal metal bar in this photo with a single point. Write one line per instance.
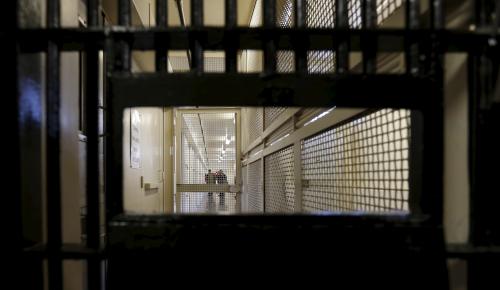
(207, 188)
(79, 252)
(131, 90)
(465, 251)
(66, 252)
(216, 38)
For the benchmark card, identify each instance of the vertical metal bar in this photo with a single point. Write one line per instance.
(161, 21)
(297, 171)
(231, 9)
(416, 154)
(269, 45)
(118, 59)
(125, 19)
(197, 62)
(369, 12)
(484, 142)
(412, 23)
(342, 22)
(54, 228)
(300, 23)
(437, 14)
(481, 13)
(93, 12)
(497, 15)
(93, 168)
(231, 23)
(431, 195)
(12, 177)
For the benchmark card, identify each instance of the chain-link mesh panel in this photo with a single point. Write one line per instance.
(203, 202)
(321, 14)
(285, 61)
(385, 8)
(359, 166)
(282, 132)
(354, 13)
(271, 114)
(255, 123)
(255, 191)
(279, 181)
(320, 62)
(208, 148)
(214, 64)
(211, 64)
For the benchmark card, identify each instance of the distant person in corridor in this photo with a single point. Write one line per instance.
(210, 178)
(221, 179)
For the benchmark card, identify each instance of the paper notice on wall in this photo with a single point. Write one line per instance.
(135, 139)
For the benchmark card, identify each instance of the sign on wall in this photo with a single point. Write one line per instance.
(135, 139)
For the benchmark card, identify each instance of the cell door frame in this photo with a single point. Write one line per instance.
(178, 143)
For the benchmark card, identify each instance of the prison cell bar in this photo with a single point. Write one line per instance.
(93, 232)
(369, 20)
(300, 23)
(161, 55)
(342, 22)
(53, 147)
(231, 18)
(53, 161)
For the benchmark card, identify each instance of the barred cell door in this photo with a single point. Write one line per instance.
(314, 54)
(207, 152)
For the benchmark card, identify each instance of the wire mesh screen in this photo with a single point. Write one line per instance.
(255, 123)
(282, 132)
(208, 148)
(359, 166)
(271, 114)
(385, 8)
(354, 13)
(255, 191)
(212, 64)
(321, 14)
(179, 63)
(214, 202)
(279, 181)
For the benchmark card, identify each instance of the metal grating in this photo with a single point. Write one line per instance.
(285, 61)
(271, 114)
(212, 64)
(359, 166)
(385, 8)
(279, 181)
(320, 62)
(208, 143)
(255, 192)
(179, 63)
(255, 123)
(320, 13)
(354, 13)
(282, 132)
(202, 202)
